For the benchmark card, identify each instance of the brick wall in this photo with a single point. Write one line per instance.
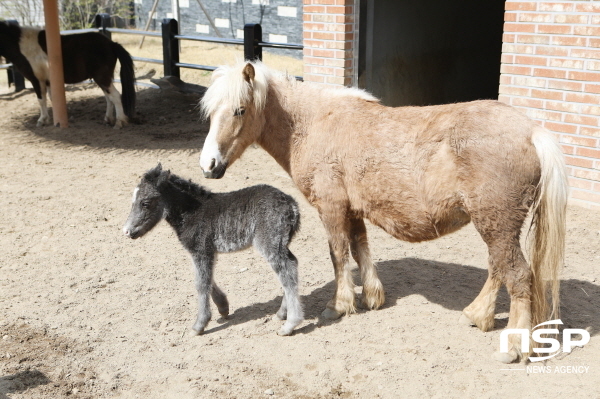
(329, 41)
(551, 70)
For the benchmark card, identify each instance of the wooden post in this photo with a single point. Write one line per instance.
(252, 38)
(55, 62)
(170, 47)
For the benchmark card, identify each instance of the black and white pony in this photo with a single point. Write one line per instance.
(85, 56)
(209, 223)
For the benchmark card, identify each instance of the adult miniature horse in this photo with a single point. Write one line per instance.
(85, 56)
(417, 172)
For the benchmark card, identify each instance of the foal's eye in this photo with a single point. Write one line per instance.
(145, 204)
(239, 112)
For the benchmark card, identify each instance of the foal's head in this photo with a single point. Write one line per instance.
(234, 102)
(147, 207)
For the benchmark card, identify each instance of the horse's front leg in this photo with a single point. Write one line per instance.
(203, 265)
(338, 227)
(373, 296)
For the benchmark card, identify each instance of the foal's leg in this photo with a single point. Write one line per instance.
(41, 91)
(220, 299)
(204, 268)
(373, 296)
(338, 227)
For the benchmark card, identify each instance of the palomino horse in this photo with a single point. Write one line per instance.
(417, 172)
(85, 56)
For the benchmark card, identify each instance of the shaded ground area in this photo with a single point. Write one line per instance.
(86, 313)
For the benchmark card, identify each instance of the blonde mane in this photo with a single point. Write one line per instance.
(229, 86)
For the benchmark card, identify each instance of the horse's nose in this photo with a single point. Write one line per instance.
(126, 232)
(208, 173)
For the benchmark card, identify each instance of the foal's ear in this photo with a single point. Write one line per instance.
(248, 73)
(163, 178)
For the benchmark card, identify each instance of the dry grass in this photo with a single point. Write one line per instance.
(192, 52)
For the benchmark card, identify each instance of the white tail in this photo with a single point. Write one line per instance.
(548, 227)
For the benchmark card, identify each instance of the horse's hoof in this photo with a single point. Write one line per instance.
(505, 358)
(194, 333)
(284, 332)
(464, 320)
(277, 317)
(332, 314)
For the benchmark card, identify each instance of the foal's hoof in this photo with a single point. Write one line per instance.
(505, 358)
(332, 314)
(194, 333)
(464, 320)
(284, 332)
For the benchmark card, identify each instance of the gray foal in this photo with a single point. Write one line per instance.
(209, 223)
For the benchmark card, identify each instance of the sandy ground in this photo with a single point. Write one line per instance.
(87, 313)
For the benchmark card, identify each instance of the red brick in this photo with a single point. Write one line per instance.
(528, 60)
(587, 30)
(314, 61)
(547, 94)
(593, 66)
(581, 120)
(570, 19)
(510, 17)
(565, 85)
(588, 7)
(566, 149)
(508, 38)
(594, 43)
(504, 99)
(555, 7)
(527, 102)
(587, 174)
(323, 53)
(308, 77)
(566, 63)
(534, 17)
(582, 98)
(550, 73)
(505, 80)
(585, 53)
(555, 29)
(515, 70)
(580, 183)
(581, 162)
(512, 27)
(590, 110)
(514, 91)
(313, 8)
(533, 39)
(562, 106)
(585, 195)
(589, 88)
(578, 140)
(507, 59)
(529, 81)
(590, 153)
(552, 50)
(339, 10)
(589, 131)
(520, 6)
(568, 41)
(323, 35)
(586, 76)
(560, 127)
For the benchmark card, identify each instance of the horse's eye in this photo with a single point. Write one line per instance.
(145, 204)
(239, 112)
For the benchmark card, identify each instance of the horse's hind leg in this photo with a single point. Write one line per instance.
(113, 96)
(220, 299)
(373, 296)
(41, 91)
(110, 110)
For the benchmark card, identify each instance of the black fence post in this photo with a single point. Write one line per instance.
(170, 47)
(252, 38)
(102, 21)
(14, 76)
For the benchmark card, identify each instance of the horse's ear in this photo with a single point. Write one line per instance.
(163, 178)
(248, 73)
(153, 173)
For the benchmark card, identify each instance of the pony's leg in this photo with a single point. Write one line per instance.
(110, 110)
(41, 92)
(203, 267)
(337, 226)
(220, 299)
(373, 296)
(481, 311)
(114, 96)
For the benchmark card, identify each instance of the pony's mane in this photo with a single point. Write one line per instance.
(228, 85)
(189, 187)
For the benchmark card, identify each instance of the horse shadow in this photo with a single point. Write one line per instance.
(450, 285)
(165, 120)
(21, 382)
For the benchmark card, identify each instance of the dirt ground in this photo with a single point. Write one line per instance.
(87, 313)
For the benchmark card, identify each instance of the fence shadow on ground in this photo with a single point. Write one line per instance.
(450, 285)
(165, 120)
(21, 382)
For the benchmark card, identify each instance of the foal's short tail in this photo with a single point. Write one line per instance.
(127, 79)
(548, 227)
